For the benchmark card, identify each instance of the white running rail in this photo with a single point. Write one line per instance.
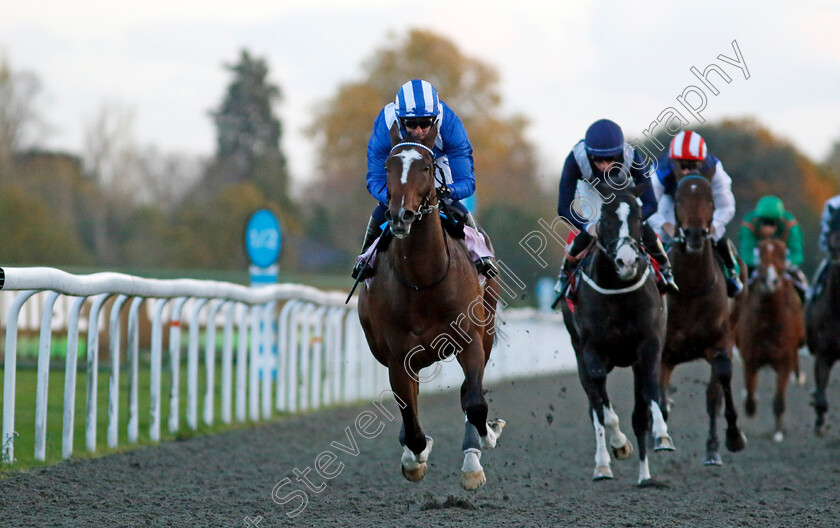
(285, 347)
(312, 343)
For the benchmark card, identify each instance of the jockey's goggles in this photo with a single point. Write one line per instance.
(689, 165)
(610, 159)
(422, 122)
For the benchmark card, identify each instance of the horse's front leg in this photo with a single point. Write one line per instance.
(593, 377)
(665, 389)
(416, 445)
(479, 434)
(822, 369)
(722, 371)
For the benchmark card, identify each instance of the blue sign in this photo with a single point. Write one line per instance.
(262, 239)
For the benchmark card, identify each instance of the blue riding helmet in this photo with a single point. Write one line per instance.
(417, 98)
(604, 138)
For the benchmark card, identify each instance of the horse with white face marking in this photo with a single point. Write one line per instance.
(771, 328)
(425, 304)
(619, 321)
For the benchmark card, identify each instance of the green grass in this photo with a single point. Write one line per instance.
(26, 383)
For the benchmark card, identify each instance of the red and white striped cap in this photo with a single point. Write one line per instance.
(688, 145)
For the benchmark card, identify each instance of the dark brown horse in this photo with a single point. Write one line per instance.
(822, 321)
(771, 328)
(424, 304)
(701, 316)
(619, 321)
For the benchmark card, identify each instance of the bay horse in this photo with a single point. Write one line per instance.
(822, 313)
(771, 328)
(619, 321)
(424, 304)
(701, 317)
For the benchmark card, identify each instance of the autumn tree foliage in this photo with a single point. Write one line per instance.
(505, 163)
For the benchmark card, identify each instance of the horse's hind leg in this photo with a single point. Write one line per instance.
(782, 378)
(822, 369)
(713, 404)
(665, 389)
(750, 384)
(621, 448)
(416, 446)
(722, 372)
(647, 415)
(479, 434)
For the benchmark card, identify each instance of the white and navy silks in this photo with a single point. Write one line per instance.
(832, 204)
(665, 186)
(453, 154)
(580, 203)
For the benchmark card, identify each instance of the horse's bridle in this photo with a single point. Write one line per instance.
(424, 209)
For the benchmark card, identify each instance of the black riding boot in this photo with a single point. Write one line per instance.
(726, 251)
(484, 265)
(655, 249)
(366, 268)
(800, 282)
(819, 280)
(581, 242)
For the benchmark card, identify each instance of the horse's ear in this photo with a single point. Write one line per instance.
(429, 140)
(394, 132)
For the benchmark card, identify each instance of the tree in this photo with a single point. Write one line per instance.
(248, 133)
(21, 125)
(504, 159)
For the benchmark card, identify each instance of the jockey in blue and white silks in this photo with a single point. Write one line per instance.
(415, 109)
(604, 155)
(832, 205)
(688, 154)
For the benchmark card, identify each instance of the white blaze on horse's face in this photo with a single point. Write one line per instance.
(625, 255)
(408, 157)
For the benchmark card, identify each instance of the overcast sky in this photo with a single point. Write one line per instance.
(562, 64)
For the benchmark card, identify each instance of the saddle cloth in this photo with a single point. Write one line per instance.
(476, 247)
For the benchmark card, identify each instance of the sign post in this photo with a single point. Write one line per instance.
(262, 243)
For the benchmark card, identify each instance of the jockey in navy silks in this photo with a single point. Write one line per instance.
(688, 154)
(603, 156)
(415, 109)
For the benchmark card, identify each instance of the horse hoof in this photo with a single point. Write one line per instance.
(602, 473)
(713, 459)
(623, 452)
(415, 474)
(664, 443)
(778, 436)
(736, 442)
(749, 408)
(820, 431)
(494, 431)
(473, 480)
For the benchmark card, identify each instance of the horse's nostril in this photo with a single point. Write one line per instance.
(388, 215)
(620, 261)
(407, 216)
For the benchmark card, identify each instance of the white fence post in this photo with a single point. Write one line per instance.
(114, 382)
(93, 370)
(43, 377)
(70, 364)
(133, 338)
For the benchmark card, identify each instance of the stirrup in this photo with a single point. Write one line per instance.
(669, 284)
(363, 269)
(486, 267)
(733, 285)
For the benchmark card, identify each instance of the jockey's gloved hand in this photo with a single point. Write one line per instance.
(443, 192)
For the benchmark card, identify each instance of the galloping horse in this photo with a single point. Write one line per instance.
(770, 328)
(701, 317)
(619, 321)
(424, 304)
(821, 316)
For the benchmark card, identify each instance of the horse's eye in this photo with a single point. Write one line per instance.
(427, 167)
